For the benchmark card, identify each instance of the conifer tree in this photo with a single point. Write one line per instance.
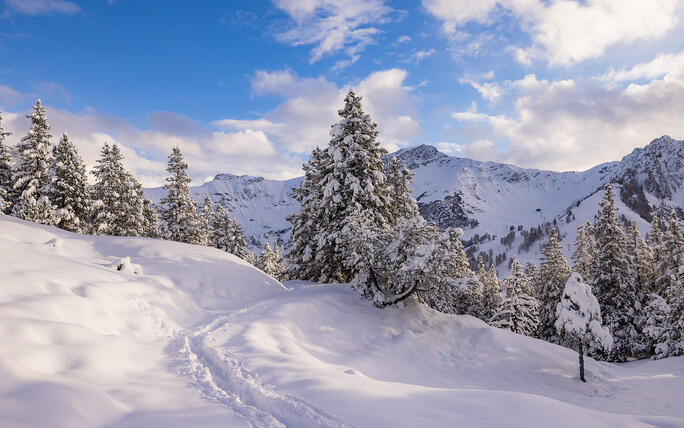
(205, 217)
(579, 320)
(5, 172)
(672, 249)
(585, 250)
(655, 240)
(351, 182)
(399, 179)
(181, 222)
(68, 189)
(553, 273)
(151, 228)
(491, 293)
(271, 263)
(613, 279)
(518, 310)
(227, 234)
(31, 173)
(119, 202)
(671, 288)
(533, 275)
(305, 223)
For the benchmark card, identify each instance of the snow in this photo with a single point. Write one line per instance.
(202, 338)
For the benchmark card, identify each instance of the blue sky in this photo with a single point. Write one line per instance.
(252, 87)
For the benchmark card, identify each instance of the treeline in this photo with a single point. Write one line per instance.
(48, 184)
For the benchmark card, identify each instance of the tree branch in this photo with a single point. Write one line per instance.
(391, 299)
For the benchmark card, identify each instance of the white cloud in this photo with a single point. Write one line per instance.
(565, 31)
(39, 7)
(663, 65)
(573, 125)
(208, 150)
(332, 26)
(418, 56)
(490, 91)
(302, 121)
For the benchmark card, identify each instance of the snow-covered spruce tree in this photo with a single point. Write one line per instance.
(119, 204)
(518, 310)
(533, 278)
(221, 229)
(553, 273)
(251, 258)
(238, 242)
(613, 280)
(655, 317)
(423, 263)
(585, 250)
(68, 189)
(402, 203)
(206, 214)
(655, 240)
(31, 172)
(578, 320)
(671, 288)
(271, 263)
(305, 223)
(151, 227)
(641, 260)
(353, 183)
(670, 258)
(491, 293)
(5, 172)
(179, 216)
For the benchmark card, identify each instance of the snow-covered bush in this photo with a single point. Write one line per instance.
(125, 265)
(579, 320)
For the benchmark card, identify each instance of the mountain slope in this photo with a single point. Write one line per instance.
(200, 338)
(483, 198)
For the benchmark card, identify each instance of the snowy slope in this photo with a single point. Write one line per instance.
(200, 338)
(481, 197)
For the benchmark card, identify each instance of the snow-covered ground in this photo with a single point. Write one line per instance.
(196, 337)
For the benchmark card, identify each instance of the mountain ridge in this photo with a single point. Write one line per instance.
(482, 197)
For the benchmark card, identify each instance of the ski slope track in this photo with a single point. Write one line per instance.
(186, 335)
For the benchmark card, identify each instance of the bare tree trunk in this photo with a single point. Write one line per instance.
(581, 362)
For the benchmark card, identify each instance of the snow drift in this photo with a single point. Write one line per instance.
(201, 338)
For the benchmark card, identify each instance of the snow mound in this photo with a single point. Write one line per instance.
(205, 339)
(55, 243)
(125, 265)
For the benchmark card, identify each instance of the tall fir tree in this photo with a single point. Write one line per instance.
(305, 224)
(399, 179)
(181, 222)
(553, 273)
(206, 214)
(68, 189)
(119, 204)
(671, 288)
(655, 240)
(585, 250)
(491, 293)
(31, 173)
(5, 171)
(518, 310)
(271, 262)
(351, 183)
(533, 276)
(613, 280)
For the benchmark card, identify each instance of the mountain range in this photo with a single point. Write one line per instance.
(503, 209)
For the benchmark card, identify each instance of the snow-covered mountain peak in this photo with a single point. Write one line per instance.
(420, 155)
(242, 179)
